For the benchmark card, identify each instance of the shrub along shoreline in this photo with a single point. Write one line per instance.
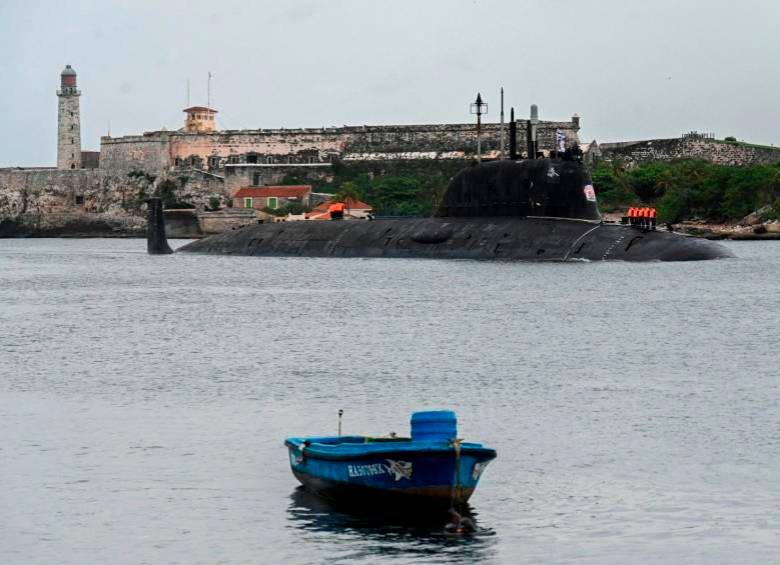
(690, 190)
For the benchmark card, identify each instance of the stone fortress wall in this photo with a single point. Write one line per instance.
(690, 146)
(148, 152)
(212, 151)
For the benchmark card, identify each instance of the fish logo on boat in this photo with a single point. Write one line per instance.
(399, 469)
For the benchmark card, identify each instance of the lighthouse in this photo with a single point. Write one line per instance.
(68, 122)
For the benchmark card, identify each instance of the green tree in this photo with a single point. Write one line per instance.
(672, 205)
(611, 182)
(166, 191)
(645, 178)
(346, 192)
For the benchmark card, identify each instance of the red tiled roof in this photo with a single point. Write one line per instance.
(351, 203)
(322, 210)
(297, 191)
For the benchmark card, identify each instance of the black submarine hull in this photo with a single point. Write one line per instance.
(494, 238)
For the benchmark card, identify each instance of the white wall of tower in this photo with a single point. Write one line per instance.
(68, 131)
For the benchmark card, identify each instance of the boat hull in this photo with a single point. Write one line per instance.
(431, 476)
(493, 238)
(431, 497)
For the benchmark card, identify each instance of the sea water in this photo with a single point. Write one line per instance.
(144, 401)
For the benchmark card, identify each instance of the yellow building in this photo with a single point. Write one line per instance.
(200, 119)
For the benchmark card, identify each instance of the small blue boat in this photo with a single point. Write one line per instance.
(431, 469)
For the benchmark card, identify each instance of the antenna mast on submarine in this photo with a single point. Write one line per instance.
(512, 135)
(531, 133)
(501, 152)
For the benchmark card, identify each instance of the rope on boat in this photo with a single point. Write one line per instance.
(460, 524)
(457, 491)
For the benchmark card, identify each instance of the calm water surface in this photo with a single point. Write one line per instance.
(144, 401)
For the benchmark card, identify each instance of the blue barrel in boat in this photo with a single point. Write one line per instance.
(434, 425)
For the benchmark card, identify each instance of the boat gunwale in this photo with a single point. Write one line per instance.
(353, 451)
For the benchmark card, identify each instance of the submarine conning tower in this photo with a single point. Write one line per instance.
(555, 188)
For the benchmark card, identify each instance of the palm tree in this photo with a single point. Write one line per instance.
(347, 192)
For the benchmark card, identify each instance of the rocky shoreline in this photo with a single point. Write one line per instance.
(763, 231)
(750, 228)
(73, 226)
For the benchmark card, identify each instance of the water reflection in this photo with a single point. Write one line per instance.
(350, 532)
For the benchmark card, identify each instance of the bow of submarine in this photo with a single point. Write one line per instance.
(625, 243)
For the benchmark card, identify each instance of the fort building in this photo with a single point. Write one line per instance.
(205, 162)
(200, 119)
(198, 145)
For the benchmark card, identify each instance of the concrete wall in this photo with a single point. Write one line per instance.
(225, 220)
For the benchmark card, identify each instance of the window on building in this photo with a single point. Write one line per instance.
(256, 179)
(79, 199)
(247, 202)
(273, 202)
(269, 160)
(251, 158)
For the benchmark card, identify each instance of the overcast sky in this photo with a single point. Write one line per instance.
(631, 69)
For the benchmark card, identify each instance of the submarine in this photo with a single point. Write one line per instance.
(525, 210)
